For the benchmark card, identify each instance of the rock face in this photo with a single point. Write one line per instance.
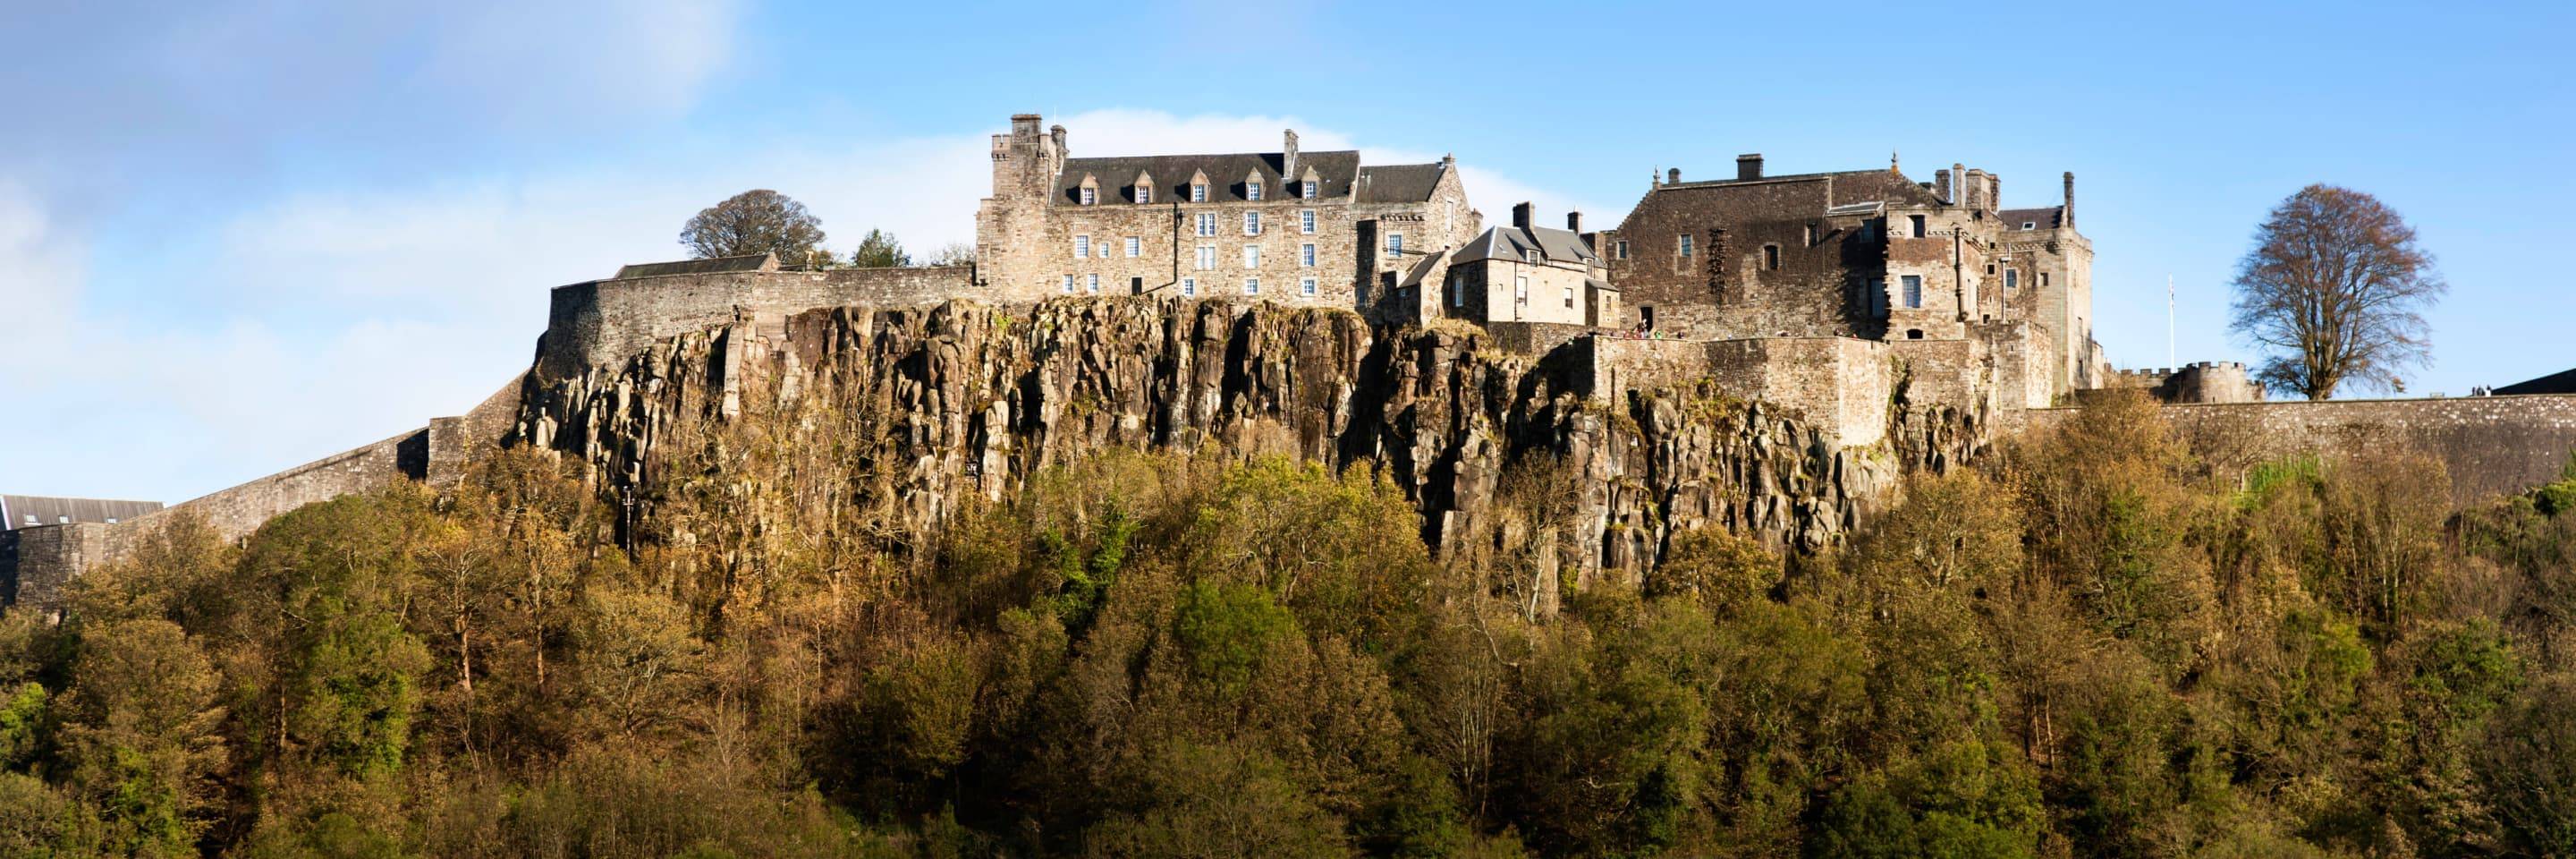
(964, 398)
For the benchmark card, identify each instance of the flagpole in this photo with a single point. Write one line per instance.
(2169, 321)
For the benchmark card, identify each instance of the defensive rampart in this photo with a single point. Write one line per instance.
(604, 321)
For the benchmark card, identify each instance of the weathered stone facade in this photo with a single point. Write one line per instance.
(1313, 229)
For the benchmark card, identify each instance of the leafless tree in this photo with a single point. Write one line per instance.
(753, 222)
(2333, 289)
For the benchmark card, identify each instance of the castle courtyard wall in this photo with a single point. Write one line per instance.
(603, 321)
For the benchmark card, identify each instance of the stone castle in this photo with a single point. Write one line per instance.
(1853, 303)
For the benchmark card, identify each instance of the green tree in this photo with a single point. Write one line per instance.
(879, 250)
(141, 736)
(754, 222)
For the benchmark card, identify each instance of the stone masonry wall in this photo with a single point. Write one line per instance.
(606, 320)
(45, 558)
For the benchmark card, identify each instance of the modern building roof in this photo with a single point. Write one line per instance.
(22, 511)
(2563, 382)
(1515, 243)
(710, 265)
(1336, 173)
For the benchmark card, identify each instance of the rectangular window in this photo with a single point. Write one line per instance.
(1307, 286)
(2043, 280)
(1144, 194)
(1190, 287)
(1306, 255)
(1686, 244)
(1394, 245)
(1251, 256)
(1913, 291)
(2012, 279)
(1252, 190)
(1520, 289)
(1207, 223)
(1252, 223)
(1198, 192)
(1093, 286)
(1068, 284)
(1771, 257)
(1207, 257)
(1917, 221)
(1811, 235)
(1081, 247)
(1306, 221)
(1569, 296)
(1090, 196)
(1135, 246)
(1623, 248)
(1306, 189)
(2030, 225)
(1457, 289)
(1252, 286)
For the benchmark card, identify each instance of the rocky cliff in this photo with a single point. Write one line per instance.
(899, 413)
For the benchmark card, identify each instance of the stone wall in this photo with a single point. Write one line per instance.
(1840, 386)
(1533, 338)
(604, 321)
(43, 559)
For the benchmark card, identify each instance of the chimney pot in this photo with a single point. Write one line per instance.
(1748, 166)
(1574, 222)
(1521, 215)
(1674, 177)
(2069, 211)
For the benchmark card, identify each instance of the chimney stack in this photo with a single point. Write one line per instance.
(1976, 189)
(1521, 215)
(1748, 166)
(1673, 178)
(1288, 157)
(1057, 132)
(2069, 212)
(1941, 185)
(1958, 184)
(1574, 222)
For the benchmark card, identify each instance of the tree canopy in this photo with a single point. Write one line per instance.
(755, 221)
(2334, 291)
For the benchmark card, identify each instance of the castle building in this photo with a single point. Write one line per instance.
(1526, 273)
(1865, 254)
(1289, 226)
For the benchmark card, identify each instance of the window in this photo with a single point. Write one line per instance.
(111, 520)
(2030, 225)
(1198, 192)
(1068, 284)
(1306, 255)
(2043, 280)
(1771, 257)
(1207, 223)
(1081, 247)
(1569, 296)
(1520, 289)
(1622, 250)
(1917, 221)
(31, 519)
(1090, 195)
(1306, 189)
(1395, 244)
(1686, 244)
(1252, 189)
(1530, 255)
(1307, 286)
(1093, 286)
(2012, 279)
(1251, 256)
(1306, 221)
(1207, 257)
(1252, 223)
(1913, 290)
(1135, 246)
(1144, 194)
(1457, 289)
(1811, 235)
(1189, 287)
(1252, 286)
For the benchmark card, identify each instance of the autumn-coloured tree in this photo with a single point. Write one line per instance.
(2334, 289)
(755, 221)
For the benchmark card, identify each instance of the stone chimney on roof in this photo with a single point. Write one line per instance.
(1674, 178)
(1941, 185)
(1521, 215)
(1574, 222)
(1958, 184)
(1057, 132)
(1748, 166)
(2069, 211)
(1288, 155)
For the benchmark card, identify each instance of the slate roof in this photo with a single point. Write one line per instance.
(1850, 186)
(2554, 383)
(1514, 243)
(1335, 173)
(1399, 183)
(2047, 218)
(14, 510)
(710, 265)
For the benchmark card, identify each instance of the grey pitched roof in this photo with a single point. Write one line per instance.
(1399, 183)
(15, 510)
(1515, 243)
(1335, 174)
(710, 265)
(2046, 219)
(1422, 269)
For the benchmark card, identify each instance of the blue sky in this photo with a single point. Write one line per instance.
(239, 236)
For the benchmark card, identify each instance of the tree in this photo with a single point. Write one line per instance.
(879, 250)
(954, 253)
(755, 221)
(2334, 287)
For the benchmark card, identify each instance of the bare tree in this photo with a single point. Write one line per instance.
(954, 253)
(753, 222)
(2333, 289)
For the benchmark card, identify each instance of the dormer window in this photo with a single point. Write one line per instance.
(1144, 194)
(1198, 192)
(1306, 189)
(1530, 255)
(1090, 196)
(1252, 188)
